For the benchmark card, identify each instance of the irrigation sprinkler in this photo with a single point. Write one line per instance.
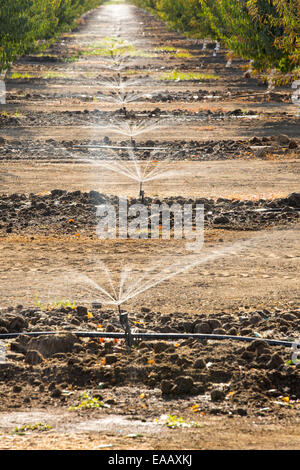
(229, 59)
(132, 129)
(2, 91)
(296, 95)
(271, 81)
(217, 48)
(142, 192)
(140, 171)
(130, 287)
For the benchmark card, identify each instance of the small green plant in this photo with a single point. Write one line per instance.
(16, 76)
(54, 305)
(17, 114)
(55, 75)
(175, 75)
(183, 55)
(89, 402)
(174, 422)
(39, 427)
(166, 49)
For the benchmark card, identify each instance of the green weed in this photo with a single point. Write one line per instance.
(89, 402)
(40, 427)
(175, 75)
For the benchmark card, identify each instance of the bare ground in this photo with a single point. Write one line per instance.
(265, 276)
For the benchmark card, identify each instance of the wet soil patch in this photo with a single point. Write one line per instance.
(223, 377)
(71, 212)
(107, 118)
(176, 150)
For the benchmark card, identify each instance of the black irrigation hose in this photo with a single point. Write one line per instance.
(153, 336)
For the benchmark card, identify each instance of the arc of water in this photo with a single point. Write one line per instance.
(118, 83)
(132, 129)
(4, 175)
(217, 48)
(87, 280)
(296, 95)
(155, 275)
(2, 90)
(124, 98)
(161, 169)
(189, 262)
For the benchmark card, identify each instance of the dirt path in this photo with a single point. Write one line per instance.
(230, 143)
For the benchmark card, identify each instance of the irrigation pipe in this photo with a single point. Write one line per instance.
(150, 336)
(116, 148)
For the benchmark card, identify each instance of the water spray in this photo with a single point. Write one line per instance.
(296, 95)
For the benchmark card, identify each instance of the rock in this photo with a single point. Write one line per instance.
(259, 346)
(232, 331)
(217, 395)
(33, 357)
(293, 200)
(289, 317)
(254, 140)
(275, 362)
(81, 311)
(49, 345)
(111, 358)
(293, 145)
(221, 219)
(219, 375)
(19, 345)
(184, 384)
(160, 347)
(199, 364)
(248, 356)
(166, 386)
(283, 139)
(219, 331)
(241, 411)
(214, 323)
(203, 328)
(56, 393)
(254, 319)
(145, 310)
(17, 324)
(57, 192)
(186, 326)
(4, 323)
